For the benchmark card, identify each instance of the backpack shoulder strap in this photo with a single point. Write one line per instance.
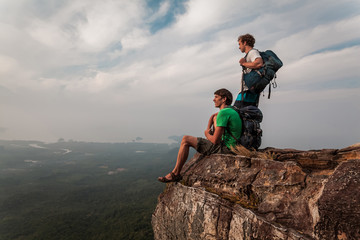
(237, 140)
(242, 77)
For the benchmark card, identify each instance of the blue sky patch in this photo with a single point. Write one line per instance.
(176, 8)
(337, 47)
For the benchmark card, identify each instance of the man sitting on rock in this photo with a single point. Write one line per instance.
(227, 127)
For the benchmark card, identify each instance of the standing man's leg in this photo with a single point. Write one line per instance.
(252, 99)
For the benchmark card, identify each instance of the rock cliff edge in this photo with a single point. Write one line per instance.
(278, 194)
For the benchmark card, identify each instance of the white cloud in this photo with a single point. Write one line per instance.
(319, 37)
(8, 64)
(192, 22)
(322, 67)
(99, 64)
(136, 39)
(87, 26)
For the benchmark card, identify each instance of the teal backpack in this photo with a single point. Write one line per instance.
(258, 79)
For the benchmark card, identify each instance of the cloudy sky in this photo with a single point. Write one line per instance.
(117, 70)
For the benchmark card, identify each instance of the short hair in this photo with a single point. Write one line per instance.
(248, 38)
(225, 93)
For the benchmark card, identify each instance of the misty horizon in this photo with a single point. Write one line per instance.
(113, 71)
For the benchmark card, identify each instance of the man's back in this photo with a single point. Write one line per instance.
(231, 121)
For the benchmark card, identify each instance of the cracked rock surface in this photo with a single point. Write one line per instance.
(294, 195)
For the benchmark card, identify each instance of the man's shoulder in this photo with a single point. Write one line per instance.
(228, 111)
(254, 53)
(228, 116)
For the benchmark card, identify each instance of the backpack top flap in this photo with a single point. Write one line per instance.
(271, 60)
(251, 113)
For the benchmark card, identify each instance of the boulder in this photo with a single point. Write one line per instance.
(276, 194)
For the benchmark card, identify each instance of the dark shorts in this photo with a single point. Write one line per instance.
(206, 147)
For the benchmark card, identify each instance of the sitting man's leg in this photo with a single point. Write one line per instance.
(186, 143)
(201, 145)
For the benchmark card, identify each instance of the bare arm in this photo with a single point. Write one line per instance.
(216, 137)
(212, 121)
(258, 63)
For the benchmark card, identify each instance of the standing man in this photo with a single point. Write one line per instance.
(251, 61)
(227, 125)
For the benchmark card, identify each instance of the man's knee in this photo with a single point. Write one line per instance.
(189, 141)
(186, 139)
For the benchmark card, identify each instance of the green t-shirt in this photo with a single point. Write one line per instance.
(230, 120)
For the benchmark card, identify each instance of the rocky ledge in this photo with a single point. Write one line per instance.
(274, 194)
